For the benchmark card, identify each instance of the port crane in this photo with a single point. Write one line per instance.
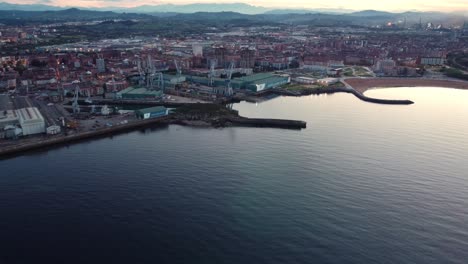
(148, 75)
(140, 72)
(156, 79)
(229, 91)
(149, 71)
(212, 71)
(114, 88)
(160, 80)
(75, 105)
(179, 71)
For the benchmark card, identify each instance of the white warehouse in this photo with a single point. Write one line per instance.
(31, 121)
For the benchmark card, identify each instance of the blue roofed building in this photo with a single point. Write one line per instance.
(152, 112)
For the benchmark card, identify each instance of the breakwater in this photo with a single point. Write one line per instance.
(380, 101)
(267, 122)
(338, 90)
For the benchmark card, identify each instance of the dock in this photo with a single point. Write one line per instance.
(42, 143)
(67, 139)
(268, 122)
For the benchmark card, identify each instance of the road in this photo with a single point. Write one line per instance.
(5, 102)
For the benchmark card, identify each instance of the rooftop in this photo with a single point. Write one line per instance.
(8, 116)
(29, 115)
(152, 109)
(139, 90)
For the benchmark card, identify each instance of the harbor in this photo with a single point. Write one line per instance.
(210, 115)
(75, 125)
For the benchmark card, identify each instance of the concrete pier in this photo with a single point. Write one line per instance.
(267, 122)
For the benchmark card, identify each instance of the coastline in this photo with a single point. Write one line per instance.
(347, 89)
(18, 149)
(361, 85)
(206, 118)
(217, 120)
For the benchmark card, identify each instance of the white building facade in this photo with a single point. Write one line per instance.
(31, 121)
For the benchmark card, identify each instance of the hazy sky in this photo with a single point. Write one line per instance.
(389, 5)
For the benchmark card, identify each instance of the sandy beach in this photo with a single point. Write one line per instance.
(362, 85)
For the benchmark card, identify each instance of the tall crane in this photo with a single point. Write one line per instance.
(149, 72)
(212, 71)
(150, 82)
(114, 88)
(140, 72)
(160, 81)
(75, 105)
(179, 71)
(229, 90)
(60, 88)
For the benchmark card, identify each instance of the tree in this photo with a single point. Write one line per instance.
(20, 68)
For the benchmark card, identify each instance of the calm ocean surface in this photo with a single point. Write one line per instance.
(364, 183)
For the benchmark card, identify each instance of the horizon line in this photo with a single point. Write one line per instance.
(349, 10)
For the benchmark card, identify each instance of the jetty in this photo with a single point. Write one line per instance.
(333, 90)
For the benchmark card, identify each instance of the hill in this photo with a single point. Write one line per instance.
(66, 15)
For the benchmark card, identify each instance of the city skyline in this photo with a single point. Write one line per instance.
(386, 5)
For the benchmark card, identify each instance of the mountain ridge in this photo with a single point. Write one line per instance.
(242, 8)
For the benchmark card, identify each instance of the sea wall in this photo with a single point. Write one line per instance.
(220, 122)
(267, 122)
(340, 90)
(59, 140)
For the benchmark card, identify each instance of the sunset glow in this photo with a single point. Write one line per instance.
(389, 5)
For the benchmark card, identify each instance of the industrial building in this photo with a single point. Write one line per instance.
(260, 82)
(8, 118)
(134, 93)
(255, 82)
(170, 79)
(432, 60)
(328, 81)
(101, 65)
(152, 112)
(386, 67)
(305, 80)
(31, 121)
(218, 72)
(206, 81)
